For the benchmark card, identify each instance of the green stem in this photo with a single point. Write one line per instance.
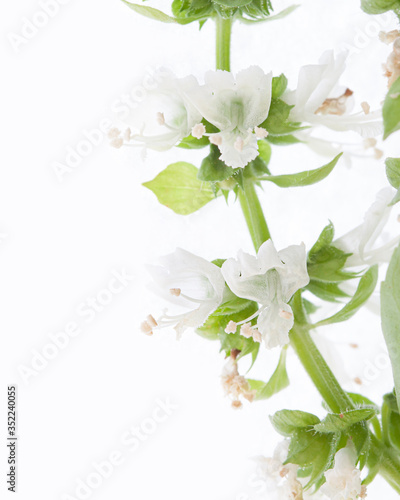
(253, 214)
(224, 31)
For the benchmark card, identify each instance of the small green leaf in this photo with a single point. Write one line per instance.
(393, 175)
(306, 178)
(390, 312)
(178, 188)
(150, 12)
(278, 381)
(335, 422)
(379, 6)
(364, 291)
(213, 169)
(393, 171)
(305, 446)
(326, 291)
(279, 85)
(324, 239)
(391, 109)
(286, 422)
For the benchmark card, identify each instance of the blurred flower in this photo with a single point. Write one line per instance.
(190, 282)
(281, 479)
(163, 118)
(360, 241)
(270, 279)
(236, 106)
(313, 102)
(343, 482)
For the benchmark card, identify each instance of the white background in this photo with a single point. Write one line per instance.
(61, 242)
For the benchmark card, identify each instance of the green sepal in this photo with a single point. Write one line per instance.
(278, 381)
(213, 169)
(277, 122)
(191, 142)
(279, 85)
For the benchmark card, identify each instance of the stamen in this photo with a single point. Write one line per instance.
(231, 327)
(175, 291)
(216, 139)
(127, 135)
(117, 143)
(238, 145)
(260, 132)
(198, 131)
(370, 143)
(336, 105)
(388, 37)
(366, 107)
(152, 322)
(236, 404)
(378, 153)
(160, 118)
(113, 133)
(285, 314)
(246, 330)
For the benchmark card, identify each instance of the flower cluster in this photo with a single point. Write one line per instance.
(270, 279)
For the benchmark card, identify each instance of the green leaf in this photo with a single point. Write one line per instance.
(391, 109)
(379, 6)
(286, 422)
(326, 291)
(393, 171)
(278, 381)
(340, 422)
(279, 85)
(393, 175)
(390, 312)
(306, 178)
(365, 288)
(178, 188)
(213, 169)
(305, 447)
(150, 12)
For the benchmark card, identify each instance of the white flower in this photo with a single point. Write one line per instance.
(163, 118)
(314, 104)
(190, 282)
(281, 479)
(270, 279)
(236, 106)
(343, 482)
(361, 241)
